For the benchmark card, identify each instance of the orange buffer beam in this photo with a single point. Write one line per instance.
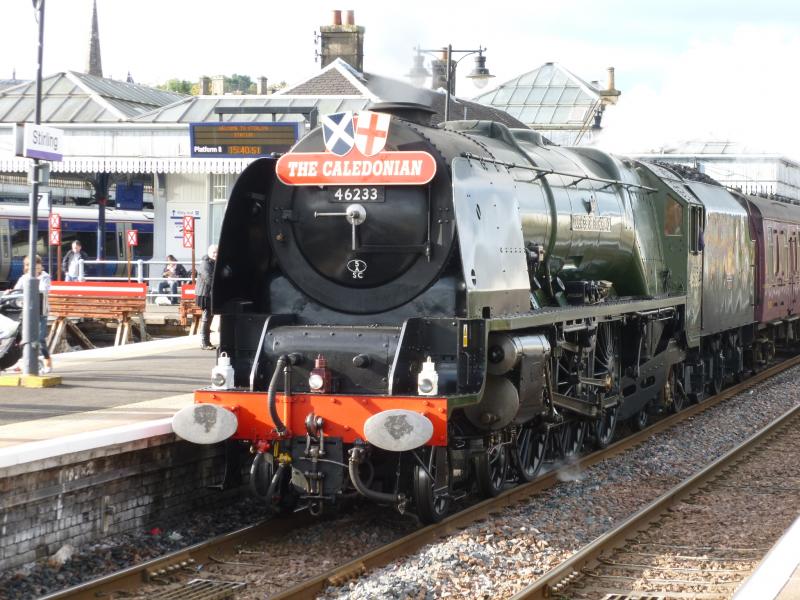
(344, 415)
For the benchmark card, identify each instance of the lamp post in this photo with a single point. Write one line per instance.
(30, 320)
(480, 74)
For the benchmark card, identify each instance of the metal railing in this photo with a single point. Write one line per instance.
(141, 272)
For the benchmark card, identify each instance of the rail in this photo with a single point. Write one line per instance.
(134, 576)
(416, 540)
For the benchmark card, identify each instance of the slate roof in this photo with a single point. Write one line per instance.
(337, 87)
(71, 97)
(328, 83)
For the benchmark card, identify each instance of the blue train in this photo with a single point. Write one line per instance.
(76, 224)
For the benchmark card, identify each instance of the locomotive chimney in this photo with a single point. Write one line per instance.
(345, 41)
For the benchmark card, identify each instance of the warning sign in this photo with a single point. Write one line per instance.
(55, 237)
(55, 221)
(188, 224)
(188, 239)
(133, 237)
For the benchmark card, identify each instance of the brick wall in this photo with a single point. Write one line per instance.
(84, 496)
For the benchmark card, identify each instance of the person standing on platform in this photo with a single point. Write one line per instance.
(205, 277)
(70, 264)
(44, 290)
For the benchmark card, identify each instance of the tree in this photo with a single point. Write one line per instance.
(239, 83)
(177, 85)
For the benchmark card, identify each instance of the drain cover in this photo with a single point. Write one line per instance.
(203, 589)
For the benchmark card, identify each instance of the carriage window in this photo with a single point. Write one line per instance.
(770, 254)
(784, 252)
(776, 254)
(673, 217)
(19, 243)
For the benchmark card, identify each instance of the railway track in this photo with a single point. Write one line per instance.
(184, 560)
(696, 540)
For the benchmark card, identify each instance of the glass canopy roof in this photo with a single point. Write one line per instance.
(549, 97)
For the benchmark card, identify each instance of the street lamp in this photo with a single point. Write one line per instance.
(30, 316)
(480, 74)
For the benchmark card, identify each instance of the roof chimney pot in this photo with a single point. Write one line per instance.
(350, 17)
(337, 17)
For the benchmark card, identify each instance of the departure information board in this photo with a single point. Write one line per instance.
(242, 139)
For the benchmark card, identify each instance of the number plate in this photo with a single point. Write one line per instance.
(372, 193)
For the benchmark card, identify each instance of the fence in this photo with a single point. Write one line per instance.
(141, 272)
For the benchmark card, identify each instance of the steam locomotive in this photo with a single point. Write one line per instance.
(410, 312)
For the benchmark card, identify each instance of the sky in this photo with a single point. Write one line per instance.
(701, 69)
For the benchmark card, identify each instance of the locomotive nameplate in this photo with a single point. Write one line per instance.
(411, 167)
(358, 194)
(591, 223)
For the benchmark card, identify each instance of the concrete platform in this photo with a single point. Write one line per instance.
(778, 575)
(107, 387)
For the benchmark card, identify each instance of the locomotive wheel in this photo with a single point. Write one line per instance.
(490, 470)
(529, 450)
(603, 428)
(573, 435)
(605, 366)
(674, 399)
(432, 487)
(640, 419)
(262, 470)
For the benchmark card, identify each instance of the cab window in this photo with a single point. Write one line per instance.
(673, 217)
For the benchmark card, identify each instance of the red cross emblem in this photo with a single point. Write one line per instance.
(133, 237)
(372, 129)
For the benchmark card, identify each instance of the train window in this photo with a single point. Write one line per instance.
(145, 247)
(784, 252)
(673, 217)
(776, 253)
(19, 243)
(696, 226)
(112, 251)
(770, 255)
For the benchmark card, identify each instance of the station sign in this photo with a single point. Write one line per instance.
(355, 155)
(39, 141)
(55, 237)
(242, 139)
(132, 236)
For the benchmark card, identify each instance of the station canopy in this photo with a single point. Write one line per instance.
(147, 129)
(549, 99)
(72, 97)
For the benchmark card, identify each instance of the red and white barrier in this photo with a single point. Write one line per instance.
(107, 289)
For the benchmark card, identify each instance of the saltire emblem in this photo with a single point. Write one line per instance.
(337, 131)
(372, 129)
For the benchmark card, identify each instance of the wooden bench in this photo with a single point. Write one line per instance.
(189, 312)
(118, 301)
